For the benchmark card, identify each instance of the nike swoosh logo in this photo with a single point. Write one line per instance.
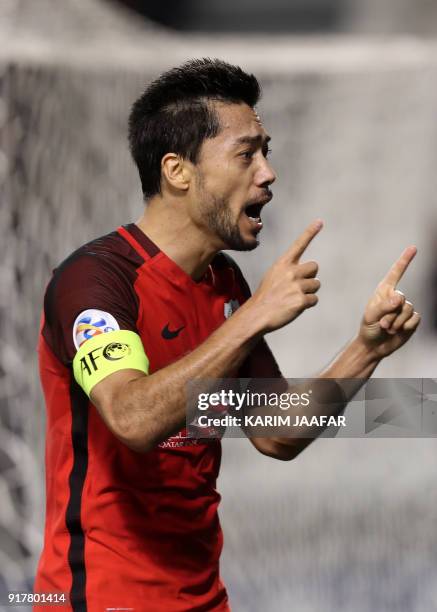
(169, 334)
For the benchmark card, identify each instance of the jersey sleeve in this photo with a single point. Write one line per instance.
(90, 312)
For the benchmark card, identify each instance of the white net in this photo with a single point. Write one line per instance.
(45, 187)
(58, 125)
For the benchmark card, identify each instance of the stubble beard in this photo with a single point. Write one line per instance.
(218, 217)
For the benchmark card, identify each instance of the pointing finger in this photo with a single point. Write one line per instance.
(397, 270)
(300, 244)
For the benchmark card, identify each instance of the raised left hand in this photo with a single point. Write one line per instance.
(389, 319)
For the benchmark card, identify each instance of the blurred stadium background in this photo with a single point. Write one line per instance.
(350, 99)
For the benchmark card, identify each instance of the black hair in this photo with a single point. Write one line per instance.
(173, 114)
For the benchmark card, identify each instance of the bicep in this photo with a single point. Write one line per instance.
(261, 363)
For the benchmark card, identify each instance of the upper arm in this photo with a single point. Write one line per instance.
(90, 325)
(87, 296)
(259, 364)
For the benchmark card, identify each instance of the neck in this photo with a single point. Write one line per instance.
(177, 236)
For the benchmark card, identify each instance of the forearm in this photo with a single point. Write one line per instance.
(387, 324)
(330, 393)
(149, 409)
(356, 361)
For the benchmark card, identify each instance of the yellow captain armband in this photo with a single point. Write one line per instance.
(108, 353)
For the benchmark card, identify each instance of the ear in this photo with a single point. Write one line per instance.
(176, 171)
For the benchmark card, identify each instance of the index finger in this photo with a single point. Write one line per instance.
(300, 244)
(397, 270)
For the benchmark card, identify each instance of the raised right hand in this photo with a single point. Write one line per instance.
(288, 287)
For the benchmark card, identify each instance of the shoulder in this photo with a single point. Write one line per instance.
(101, 262)
(96, 281)
(107, 252)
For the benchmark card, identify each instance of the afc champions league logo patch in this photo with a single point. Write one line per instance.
(230, 307)
(116, 351)
(91, 323)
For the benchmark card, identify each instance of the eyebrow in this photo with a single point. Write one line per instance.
(253, 140)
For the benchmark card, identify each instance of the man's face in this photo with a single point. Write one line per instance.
(233, 177)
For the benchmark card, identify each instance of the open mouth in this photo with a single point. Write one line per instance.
(253, 212)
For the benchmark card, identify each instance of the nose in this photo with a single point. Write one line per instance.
(266, 175)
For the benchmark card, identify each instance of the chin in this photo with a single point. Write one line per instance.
(252, 243)
(239, 239)
(250, 239)
(244, 244)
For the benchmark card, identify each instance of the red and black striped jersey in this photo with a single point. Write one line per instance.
(126, 530)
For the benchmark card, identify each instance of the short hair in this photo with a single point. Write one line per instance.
(173, 114)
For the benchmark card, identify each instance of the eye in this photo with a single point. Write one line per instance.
(247, 155)
(267, 151)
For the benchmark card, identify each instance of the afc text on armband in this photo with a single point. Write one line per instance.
(92, 359)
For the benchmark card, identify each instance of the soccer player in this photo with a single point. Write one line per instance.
(132, 317)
